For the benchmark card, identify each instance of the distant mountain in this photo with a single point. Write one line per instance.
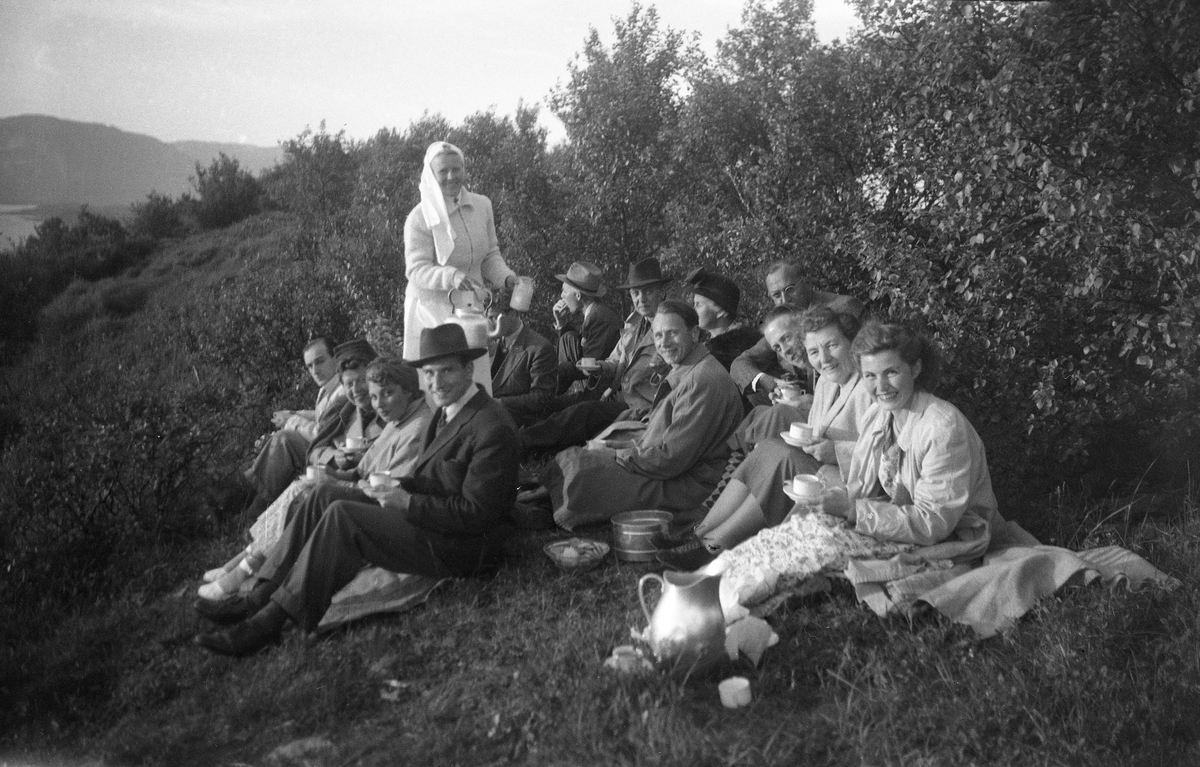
(252, 158)
(46, 161)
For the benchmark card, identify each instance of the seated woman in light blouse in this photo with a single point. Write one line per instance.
(755, 497)
(918, 480)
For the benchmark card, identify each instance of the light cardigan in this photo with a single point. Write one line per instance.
(395, 451)
(944, 500)
(838, 419)
(476, 255)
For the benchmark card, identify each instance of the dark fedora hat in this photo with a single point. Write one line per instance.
(584, 276)
(643, 273)
(447, 340)
(357, 349)
(722, 291)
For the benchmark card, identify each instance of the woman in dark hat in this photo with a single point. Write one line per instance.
(715, 299)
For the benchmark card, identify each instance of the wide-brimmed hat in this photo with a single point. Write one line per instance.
(643, 273)
(447, 340)
(722, 291)
(357, 349)
(584, 276)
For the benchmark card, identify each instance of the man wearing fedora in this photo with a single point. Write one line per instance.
(443, 520)
(757, 369)
(523, 363)
(600, 328)
(629, 377)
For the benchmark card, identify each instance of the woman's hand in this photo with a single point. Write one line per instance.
(836, 503)
(510, 282)
(346, 476)
(822, 450)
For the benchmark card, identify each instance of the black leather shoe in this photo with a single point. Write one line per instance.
(690, 556)
(249, 636)
(235, 608)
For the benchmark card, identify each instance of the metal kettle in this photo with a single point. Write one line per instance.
(468, 308)
(687, 628)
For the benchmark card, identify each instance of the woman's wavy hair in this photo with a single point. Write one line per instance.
(821, 317)
(877, 337)
(393, 370)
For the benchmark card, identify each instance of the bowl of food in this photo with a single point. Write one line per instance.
(576, 554)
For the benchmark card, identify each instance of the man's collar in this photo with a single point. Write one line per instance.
(511, 338)
(699, 352)
(454, 408)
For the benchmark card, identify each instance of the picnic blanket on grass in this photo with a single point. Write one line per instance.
(892, 578)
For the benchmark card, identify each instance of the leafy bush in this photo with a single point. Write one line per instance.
(161, 216)
(225, 193)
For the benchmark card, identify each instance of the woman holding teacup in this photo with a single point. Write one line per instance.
(394, 394)
(917, 482)
(449, 244)
(757, 495)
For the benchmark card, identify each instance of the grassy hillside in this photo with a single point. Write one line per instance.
(146, 392)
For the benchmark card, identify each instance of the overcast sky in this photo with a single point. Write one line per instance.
(259, 71)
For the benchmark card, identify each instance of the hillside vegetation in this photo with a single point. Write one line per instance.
(1032, 203)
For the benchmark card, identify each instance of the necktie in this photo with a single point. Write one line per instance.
(440, 423)
(498, 360)
(889, 459)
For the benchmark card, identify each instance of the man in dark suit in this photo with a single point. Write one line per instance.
(523, 364)
(442, 521)
(757, 370)
(597, 335)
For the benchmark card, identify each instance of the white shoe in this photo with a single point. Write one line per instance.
(213, 574)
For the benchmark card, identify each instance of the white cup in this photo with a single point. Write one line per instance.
(807, 486)
(522, 294)
(801, 431)
(377, 478)
(588, 362)
(735, 692)
(355, 443)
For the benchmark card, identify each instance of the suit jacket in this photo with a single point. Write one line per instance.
(599, 334)
(333, 425)
(761, 358)
(465, 481)
(527, 378)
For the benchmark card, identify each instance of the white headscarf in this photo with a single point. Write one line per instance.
(433, 204)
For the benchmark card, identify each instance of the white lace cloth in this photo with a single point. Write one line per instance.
(799, 547)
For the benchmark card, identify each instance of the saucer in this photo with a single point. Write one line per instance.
(787, 490)
(787, 437)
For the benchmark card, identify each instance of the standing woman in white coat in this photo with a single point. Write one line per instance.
(449, 243)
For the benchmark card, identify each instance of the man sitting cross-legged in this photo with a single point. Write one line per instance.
(443, 521)
(523, 363)
(677, 459)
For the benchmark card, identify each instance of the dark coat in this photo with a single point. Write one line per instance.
(527, 379)
(465, 483)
